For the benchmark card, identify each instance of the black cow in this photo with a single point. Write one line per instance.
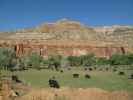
(15, 78)
(131, 76)
(90, 69)
(61, 71)
(87, 76)
(53, 83)
(121, 73)
(75, 75)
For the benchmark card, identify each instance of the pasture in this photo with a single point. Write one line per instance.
(108, 80)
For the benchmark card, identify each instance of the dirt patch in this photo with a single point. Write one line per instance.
(10, 89)
(19, 91)
(76, 94)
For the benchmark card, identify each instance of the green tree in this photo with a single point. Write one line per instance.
(33, 60)
(74, 60)
(55, 60)
(130, 58)
(102, 61)
(7, 58)
(88, 60)
(120, 59)
(85, 60)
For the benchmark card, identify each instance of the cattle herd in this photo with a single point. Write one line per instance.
(53, 83)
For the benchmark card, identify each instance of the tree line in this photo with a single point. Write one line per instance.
(9, 60)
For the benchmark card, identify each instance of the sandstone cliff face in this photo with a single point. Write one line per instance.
(46, 48)
(66, 37)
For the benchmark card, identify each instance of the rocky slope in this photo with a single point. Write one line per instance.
(123, 34)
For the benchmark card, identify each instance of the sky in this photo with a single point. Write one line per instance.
(17, 14)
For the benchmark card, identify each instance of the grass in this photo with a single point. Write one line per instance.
(107, 80)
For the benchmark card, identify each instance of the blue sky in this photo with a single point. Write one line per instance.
(16, 14)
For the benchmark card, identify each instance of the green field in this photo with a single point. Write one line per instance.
(107, 80)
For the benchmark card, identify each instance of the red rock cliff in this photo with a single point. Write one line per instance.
(46, 48)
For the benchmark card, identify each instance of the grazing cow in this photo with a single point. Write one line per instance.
(15, 78)
(87, 76)
(131, 76)
(61, 71)
(53, 83)
(90, 69)
(75, 75)
(121, 73)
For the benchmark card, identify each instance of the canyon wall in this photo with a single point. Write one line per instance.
(66, 49)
